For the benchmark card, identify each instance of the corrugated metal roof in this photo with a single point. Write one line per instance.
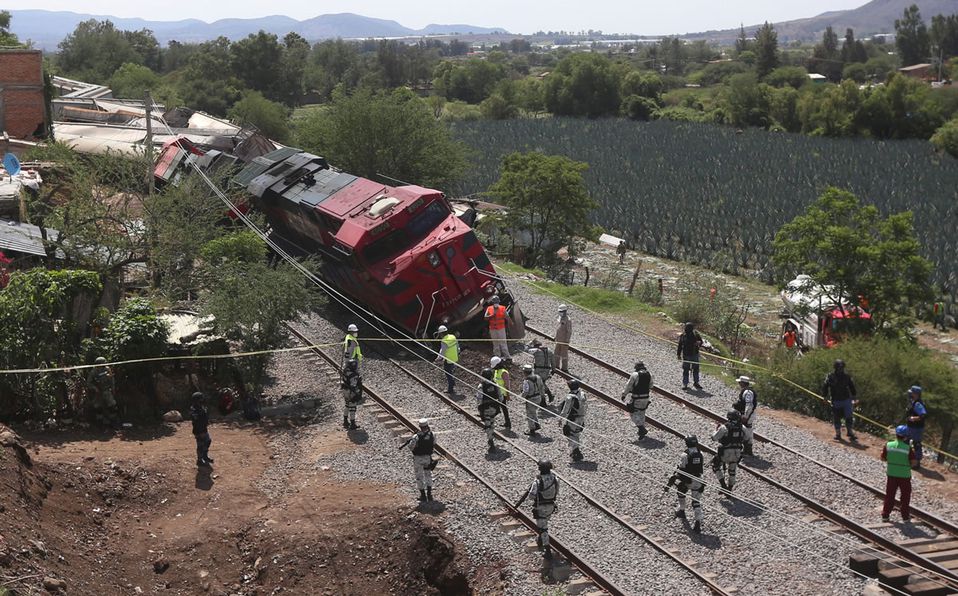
(22, 237)
(263, 163)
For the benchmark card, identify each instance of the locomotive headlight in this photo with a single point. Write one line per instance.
(434, 259)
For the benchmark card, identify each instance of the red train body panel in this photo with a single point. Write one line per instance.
(400, 251)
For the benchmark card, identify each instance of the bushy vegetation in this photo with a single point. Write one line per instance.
(883, 371)
(714, 197)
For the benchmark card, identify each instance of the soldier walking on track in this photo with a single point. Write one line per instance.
(688, 352)
(562, 338)
(636, 396)
(841, 389)
(543, 364)
(544, 492)
(496, 319)
(730, 437)
(352, 393)
(533, 392)
(422, 445)
(689, 478)
(488, 400)
(746, 406)
(572, 418)
(900, 457)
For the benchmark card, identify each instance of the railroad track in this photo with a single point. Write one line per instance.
(601, 582)
(938, 556)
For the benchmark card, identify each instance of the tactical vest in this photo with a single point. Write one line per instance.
(740, 405)
(546, 493)
(694, 462)
(838, 386)
(353, 384)
(541, 359)
(536, 381)
(490, 396)
(424, 443)
(576, 406)
(643, 384)
(911, 412)
(734, 435)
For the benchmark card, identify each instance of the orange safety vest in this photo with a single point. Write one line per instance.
(496, 316)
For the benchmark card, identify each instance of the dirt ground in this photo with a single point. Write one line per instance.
(130, 514)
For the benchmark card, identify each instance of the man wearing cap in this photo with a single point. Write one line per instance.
(500, 374)
(746, 406)
(900, 457)
(422, 445)
(449, 355)
(915, 421)
(562, 338)
(496, 319)
(201, 422)
(351, 350)
(636, 396)
(533, 392)
(543, 365)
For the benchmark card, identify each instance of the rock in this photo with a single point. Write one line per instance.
(39, 548)
(160, 565)
(54, 585)
(173, 416)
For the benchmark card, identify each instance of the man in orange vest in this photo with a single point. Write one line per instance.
(496, 317)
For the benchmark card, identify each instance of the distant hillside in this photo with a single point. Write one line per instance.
(47, 28)
(878, 16)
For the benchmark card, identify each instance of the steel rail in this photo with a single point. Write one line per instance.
(945, 575)
(932, 519)
(575, 559)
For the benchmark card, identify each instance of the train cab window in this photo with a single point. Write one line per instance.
(418, 226)
(332, 224)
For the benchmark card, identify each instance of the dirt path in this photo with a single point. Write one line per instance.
(131, 515)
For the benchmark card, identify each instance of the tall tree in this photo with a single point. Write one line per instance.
(257, 61)
(856, 257)
(826, 58)
(911, 37)
(547, 198)
(583, 85)
(853, 50)
(741, 42)
(766, 50)
(944, 37)
(96, 49)
(392, 133)
(6, 38)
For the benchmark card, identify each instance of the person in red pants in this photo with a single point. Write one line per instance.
(900, 458)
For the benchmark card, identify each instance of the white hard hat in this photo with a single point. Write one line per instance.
(495, 361)
(352, 329)
(563, 308)
(442, 329)
(744, 379)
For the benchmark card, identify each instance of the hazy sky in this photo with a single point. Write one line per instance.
(518, 16)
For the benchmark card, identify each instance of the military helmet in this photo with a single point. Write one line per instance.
(839, 364)
(733, 416)
(573, 384)
(486, 373)
(197, 396)
(691, 441)
(352, 364)
(536, 343)
(100, 360)
(639, 366)
(545, 466)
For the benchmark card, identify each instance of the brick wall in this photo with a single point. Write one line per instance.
(21, 92)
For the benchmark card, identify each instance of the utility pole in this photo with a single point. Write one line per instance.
(148, 108)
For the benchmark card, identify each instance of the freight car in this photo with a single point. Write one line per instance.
(400, 251)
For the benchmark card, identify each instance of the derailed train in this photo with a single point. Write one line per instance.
(399, 251)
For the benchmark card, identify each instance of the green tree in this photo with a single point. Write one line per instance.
(853, 50)
(636, 107)
(547, 198)
(826, 57)
(852, 255)
(497, 107)
(268, 116)
(742, 42)
(946, 138)
(583, 85)
(747, 101)
(207, 83)
(766, 50)
(643, 84)
(471, 81)
(293, 75)
(911, 37)
(391, 133)
(332, 63)
(131, 81)
(791, 76)
(257, 61)
(6, 37)
(944, 36)
(96, 49)
(250, 301)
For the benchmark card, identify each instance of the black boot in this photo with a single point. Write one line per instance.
(422, 496)
(748, 449)
(697, 528)
(723, 484)
(429, 493)
(492, 446)
(642, 432)
(353, 426)
(576, 454)
(345, 422)
(680, 514)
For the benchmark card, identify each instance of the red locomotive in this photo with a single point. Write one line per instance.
(399, 251)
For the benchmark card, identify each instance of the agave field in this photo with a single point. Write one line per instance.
(715, 196)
